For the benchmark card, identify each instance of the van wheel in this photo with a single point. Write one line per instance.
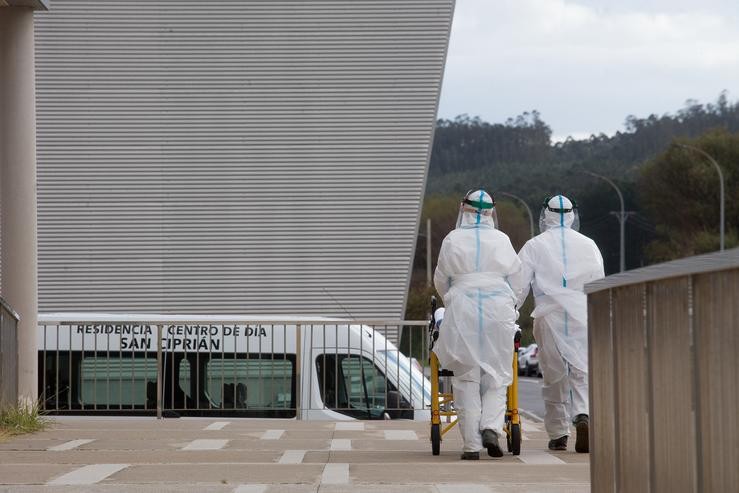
(435, 439)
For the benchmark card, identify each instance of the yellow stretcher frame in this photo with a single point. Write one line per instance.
(442, 402)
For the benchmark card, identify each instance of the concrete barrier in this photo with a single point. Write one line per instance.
(664, 397)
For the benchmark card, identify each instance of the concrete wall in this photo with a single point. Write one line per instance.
(663, 377)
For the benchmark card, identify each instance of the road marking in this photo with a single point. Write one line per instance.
(292, 457)
(335, 473)
(349, 426)
(341, 444)
(69, 445)
(88, 474)
(218, 425)
(462, 488)
(539, 457)
(272, 434)
(205, 444)
(400, 435)
(250, 488)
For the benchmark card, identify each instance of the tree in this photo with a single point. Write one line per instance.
(679, 189)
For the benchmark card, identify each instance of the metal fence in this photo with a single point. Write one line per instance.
(8, 355)
(234, 367)
(664, 398)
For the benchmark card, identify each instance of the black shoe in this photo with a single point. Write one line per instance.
(470, 456)
(582, 424)
(558, 444)
(490, 441)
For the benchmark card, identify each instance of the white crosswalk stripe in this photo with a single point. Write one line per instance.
(272, 434)
(335, 473)
(400, 435)
(341, 444)
(539, 457)
(349, 426)
(205, 444)
(250, 488)
(88, 474)
(218, 425)
(462, 488)
(292, 457)
(69, 445)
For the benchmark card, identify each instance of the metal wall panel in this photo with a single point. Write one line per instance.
(245, 156)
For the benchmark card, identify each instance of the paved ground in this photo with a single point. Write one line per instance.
(80, 454)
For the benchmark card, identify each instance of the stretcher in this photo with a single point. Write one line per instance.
(443, 414)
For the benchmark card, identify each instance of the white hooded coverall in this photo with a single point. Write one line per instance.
(476, 339)
(557, 264)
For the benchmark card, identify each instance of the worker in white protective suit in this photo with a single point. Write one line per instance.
(476, 342)
(557, 264)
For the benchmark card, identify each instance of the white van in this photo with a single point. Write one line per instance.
(226, 366)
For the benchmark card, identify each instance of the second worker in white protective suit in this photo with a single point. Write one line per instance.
(557, 264)
(476, 341)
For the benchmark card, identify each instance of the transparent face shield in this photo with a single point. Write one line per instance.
(475, 214)
(561, 215)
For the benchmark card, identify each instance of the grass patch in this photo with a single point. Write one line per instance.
(23, 418)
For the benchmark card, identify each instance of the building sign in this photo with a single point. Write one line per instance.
(209, 338)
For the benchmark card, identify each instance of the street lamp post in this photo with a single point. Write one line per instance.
(621, 216)
(528, 210)
(721, 185)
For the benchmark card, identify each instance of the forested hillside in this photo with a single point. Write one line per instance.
(518, 155)
(672, 192)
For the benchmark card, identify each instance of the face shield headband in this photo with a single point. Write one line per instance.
(559, 215)
(561, 210)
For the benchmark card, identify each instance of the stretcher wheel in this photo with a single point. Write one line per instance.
(514, 440)
(508, 435)
(435, 439)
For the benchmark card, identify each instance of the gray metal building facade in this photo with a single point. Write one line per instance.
(250, 156)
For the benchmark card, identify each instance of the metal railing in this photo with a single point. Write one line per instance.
(8, 356)
(664, 399)
(260, 368)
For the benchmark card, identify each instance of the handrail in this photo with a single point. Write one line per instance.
(699, 264)
(112, 318)
(9, 309)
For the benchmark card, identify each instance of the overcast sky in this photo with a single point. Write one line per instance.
(586, 65)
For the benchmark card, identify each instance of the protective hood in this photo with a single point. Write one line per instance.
(477, 210)
(559, 212)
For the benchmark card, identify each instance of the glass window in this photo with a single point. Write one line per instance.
(116, 381)
(125, 382)
(411, 379)
(250, 383)
(184, 377)
(352, 385)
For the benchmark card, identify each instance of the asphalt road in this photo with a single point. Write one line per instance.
(529, 395)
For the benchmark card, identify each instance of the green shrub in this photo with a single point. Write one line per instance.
(23, 418)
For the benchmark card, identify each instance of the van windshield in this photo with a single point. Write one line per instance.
(410, 379)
